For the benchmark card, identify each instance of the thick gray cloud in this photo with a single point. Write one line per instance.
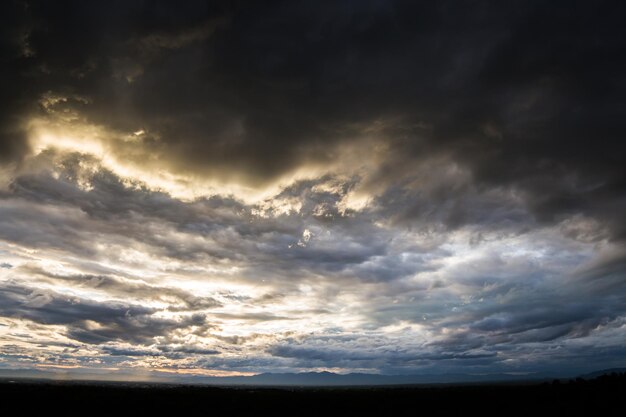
(385, 186)
(494, 294)
(50, 308)
(86, 320)
(136, 289)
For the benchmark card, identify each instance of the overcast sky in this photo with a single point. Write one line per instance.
(224, 188)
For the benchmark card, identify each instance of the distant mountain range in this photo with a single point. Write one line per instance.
(289, 379)
(597, 374)
(332, 379)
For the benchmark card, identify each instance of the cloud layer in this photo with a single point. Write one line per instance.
(387, 187)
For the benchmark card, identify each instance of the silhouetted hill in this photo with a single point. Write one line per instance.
(597, 374)
(356, 379)
(601, 396)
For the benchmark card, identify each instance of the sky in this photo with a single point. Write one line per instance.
(395, 187)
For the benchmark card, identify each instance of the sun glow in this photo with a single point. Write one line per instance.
(122, 154)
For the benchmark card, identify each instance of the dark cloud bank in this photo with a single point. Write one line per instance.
(486, 139)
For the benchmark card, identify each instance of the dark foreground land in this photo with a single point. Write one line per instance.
(602, 396)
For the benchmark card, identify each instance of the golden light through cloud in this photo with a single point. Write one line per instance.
(143, 169)
(126, 262)
(214, 305)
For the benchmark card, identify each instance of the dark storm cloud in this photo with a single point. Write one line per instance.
(86, 320)
(50, 308)
(527, 95)
(485, 139)
(17, 95)
(136, 330)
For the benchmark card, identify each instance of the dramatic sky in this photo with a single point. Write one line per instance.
(224, 188)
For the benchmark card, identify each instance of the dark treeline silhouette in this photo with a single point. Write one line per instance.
(599, 396)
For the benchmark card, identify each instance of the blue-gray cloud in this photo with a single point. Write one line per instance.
(387, 187)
